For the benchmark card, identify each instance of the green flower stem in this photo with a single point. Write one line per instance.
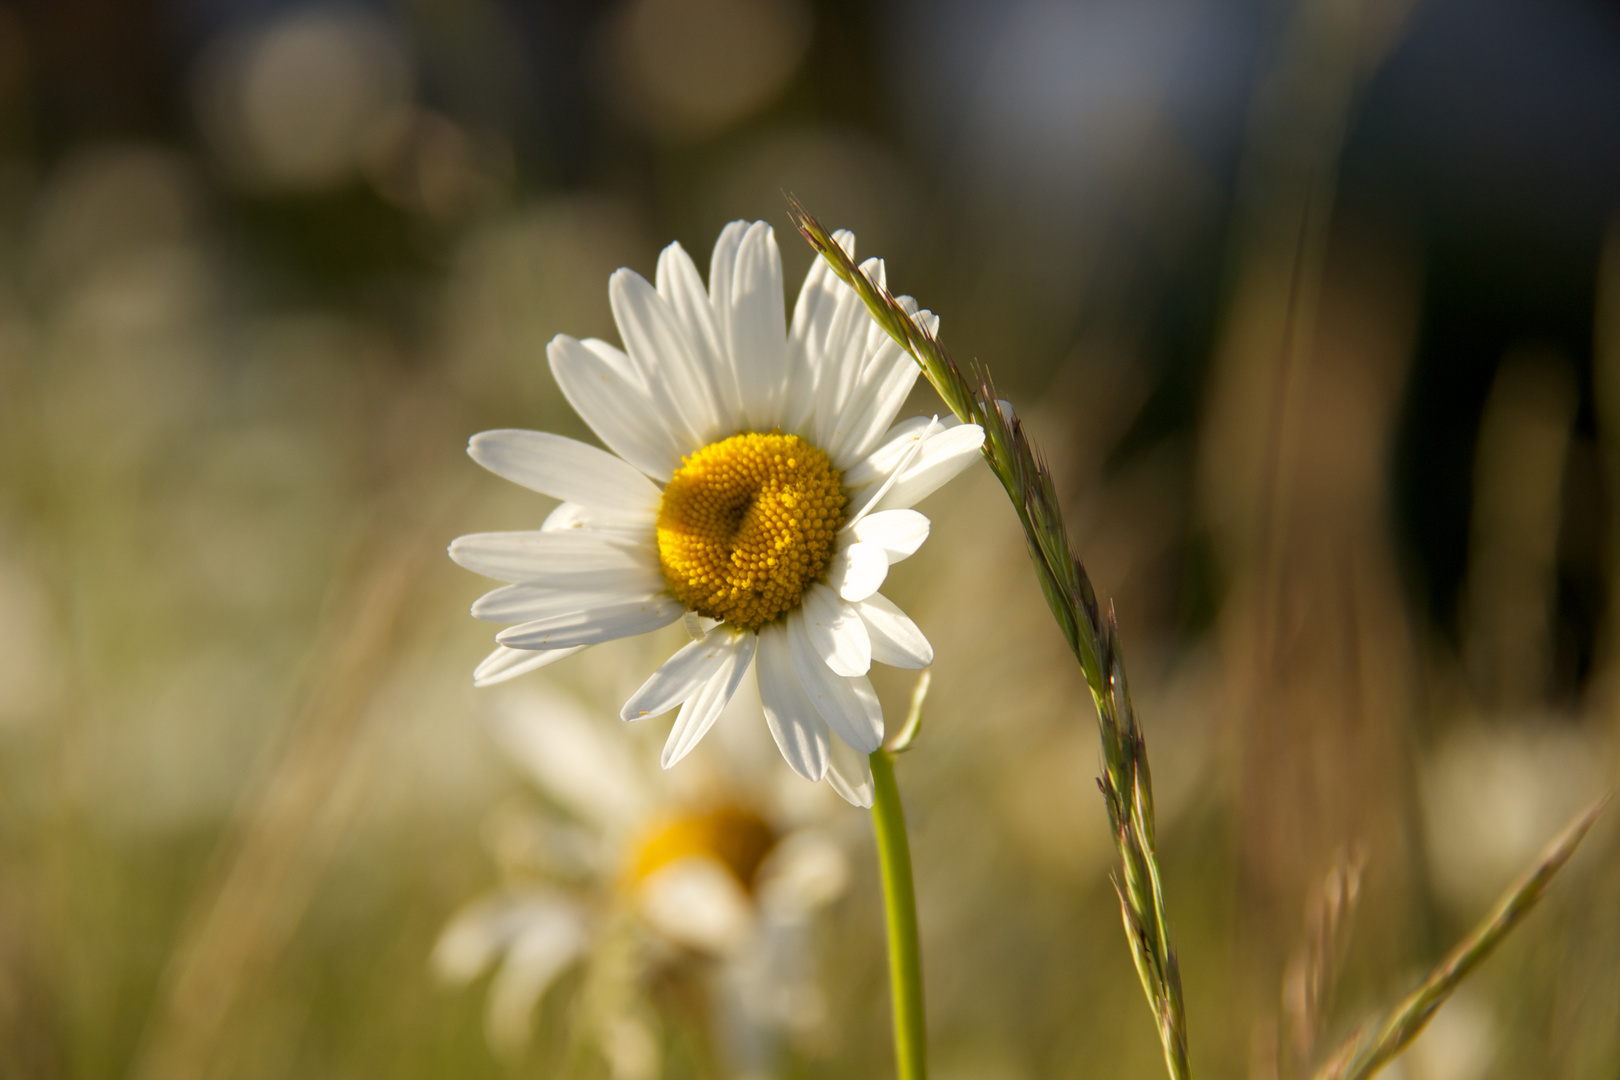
(900, 912)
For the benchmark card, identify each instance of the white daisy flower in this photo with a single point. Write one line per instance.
(755, 486)
(646, 871)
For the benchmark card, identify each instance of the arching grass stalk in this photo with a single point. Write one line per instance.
(1126, 783)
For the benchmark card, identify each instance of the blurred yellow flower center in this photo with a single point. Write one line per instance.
(737, 838)
(747, 524)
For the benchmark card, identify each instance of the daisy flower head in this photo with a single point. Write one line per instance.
(754, 484)
(632, 875)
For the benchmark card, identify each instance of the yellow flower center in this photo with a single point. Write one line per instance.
(737, 838)
(747, 524)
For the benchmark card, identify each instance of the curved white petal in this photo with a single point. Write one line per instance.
(942, 457)
(571, 756)
(848, 704)
(858, 570)
(897, 443)
(896, 641)
(850, 774)
(679, 283)
(722, 266)
(697, 903)
(682, 675)
(795, 722)
(929, 321)
(700, 711)
(569, 470)
(662, 355)
(807, 870)
(553, 554)
(572, 517)
(608, 622)
(504, 663)
(842, 362)
(484, 929)
(566, 517)
(864, 500)
(898, 532)
(754, 325)
(605, 390)
(533, 600)
(544, 948)
(835, 632)
(884, 383)
(812, 316)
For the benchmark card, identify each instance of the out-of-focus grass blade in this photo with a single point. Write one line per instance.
(1376, 1044)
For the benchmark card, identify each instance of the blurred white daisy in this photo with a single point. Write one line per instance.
(650, 870)
(755, 487)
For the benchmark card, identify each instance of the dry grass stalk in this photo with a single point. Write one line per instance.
(1126, 782)
(1313, 973)
(1379, 1042)
(289, 822)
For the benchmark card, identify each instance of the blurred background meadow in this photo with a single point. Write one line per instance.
(1313, 304)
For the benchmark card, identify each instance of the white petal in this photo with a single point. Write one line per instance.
(577, 759)
(898, 532)
(722, 266)
(608, 622)
(897, 443)
(812, 316)
(567, 516)
(661, 353)
(807, 870)
(896, 641)
(484, 929)
(858, 570)
(835, 632)
(700, 711)
(552, 554)
(849, 705)
(865, 500)
(546, 946)
(796, 725)
(681, 676)
(696, 902)
(755, 325)
(850, 774)
(813, 312)
(943, 456)
(843, 359)
(680, 284)
(531, 601)
(884, 384)
(504, 663)
(605, 390)
(568, 469)
(473, 938)
(930, 321)
(572, 517)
